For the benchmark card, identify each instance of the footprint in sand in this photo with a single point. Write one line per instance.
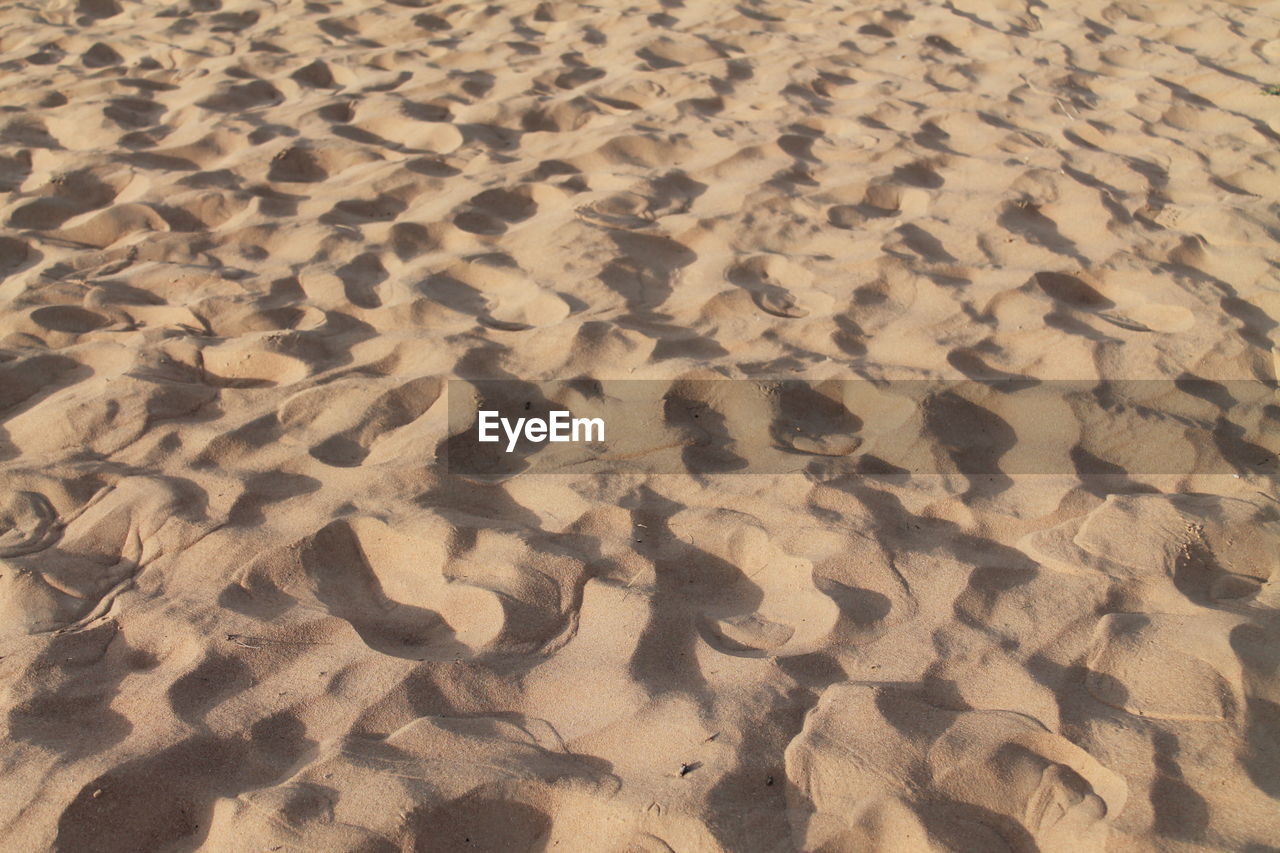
(26, 376)
(862, 206)
(252, 361)
(15, 255)
(309, 164)
(28, 523)
(55, 571)
(1207, 550)
(875, 765)
(513, 299)
(756, 597)
(1203, 565)
(386, 581)
(128, 395)
(443, 784)
(110, 226)
(814, 419)
(859, 576)
(626, 210)
(773, 282)
(344, 420)
(1167, 667)
(69, 195)
(492, 211)
(1135, 314)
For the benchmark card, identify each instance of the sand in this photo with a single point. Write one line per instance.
(244, 606)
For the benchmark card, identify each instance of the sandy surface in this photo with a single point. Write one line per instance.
(244, 607)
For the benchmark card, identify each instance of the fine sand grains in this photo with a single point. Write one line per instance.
(245, 243)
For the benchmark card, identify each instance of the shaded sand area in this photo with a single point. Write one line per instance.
(243, 605)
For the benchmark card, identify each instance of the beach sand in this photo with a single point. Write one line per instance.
(245, 605)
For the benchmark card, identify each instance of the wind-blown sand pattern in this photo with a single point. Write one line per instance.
(244, 606)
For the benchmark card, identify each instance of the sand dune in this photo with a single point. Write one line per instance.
(246, 605)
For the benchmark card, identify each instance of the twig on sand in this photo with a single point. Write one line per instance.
(258, 642)
(1065, 107)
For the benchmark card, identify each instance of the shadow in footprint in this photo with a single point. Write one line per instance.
(93, 664)
(360, 279)
(480, 820)
(163, 798)
(296, 165)
(360, 211)
(924, 244)
(1180, 811)
(347, 584)
(1071, 291)
(709, 442)
(1025, 219)
(975, 439)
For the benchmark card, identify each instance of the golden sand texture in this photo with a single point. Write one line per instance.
(244, 607)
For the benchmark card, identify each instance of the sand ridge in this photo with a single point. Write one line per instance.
(244, 606)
